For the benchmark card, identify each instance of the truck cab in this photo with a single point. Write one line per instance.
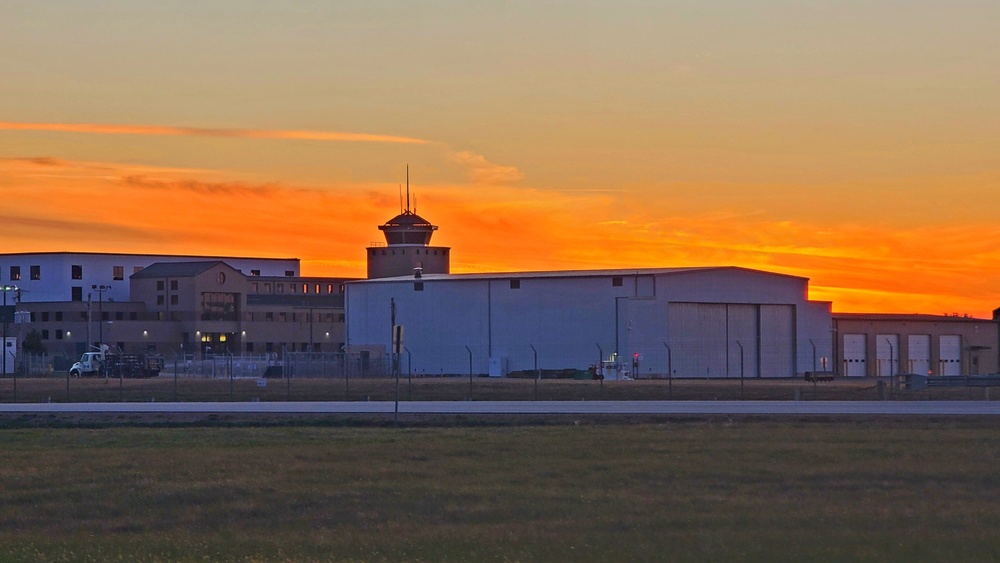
(90, 363)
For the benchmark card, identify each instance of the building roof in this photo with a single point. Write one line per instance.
(176, 269)
(903, 317)
(575, 274)
(195, 257)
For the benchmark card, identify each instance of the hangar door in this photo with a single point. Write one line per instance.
(951, 355)
(918, 353)
(730, 340)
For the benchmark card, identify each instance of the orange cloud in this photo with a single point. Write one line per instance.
(103, 129)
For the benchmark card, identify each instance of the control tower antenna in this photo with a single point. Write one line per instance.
(407, 188)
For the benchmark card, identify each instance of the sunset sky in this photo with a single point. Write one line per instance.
(856, 143)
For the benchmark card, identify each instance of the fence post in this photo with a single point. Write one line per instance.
(470, 372)
(600, 365)
(535, 352)
(409, 374)
(670, 373)
(741, 368)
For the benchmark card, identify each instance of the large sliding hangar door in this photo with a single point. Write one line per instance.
(730, 340)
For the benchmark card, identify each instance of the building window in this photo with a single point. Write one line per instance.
(105, 316)
(45, 334)
(83, 315)
(279, 288)
(173, 285)
(59, 316)
(15, 273)
(269, 347)
(340, 318)
(515, 284)
(159, 300)
(250, 344)
(119, 315)
(45, 316)
(36, 273)
(269, 316)
(616, 281)
(76, 272)
(329, 288)
(173, 299)
(317, 288)
(305, 288)
(59, 334)
(289, 274)
(254, 287)
(254, 273)
(136, 269)
(217, 306)
(76, 293)
(282, 317)
(133, 316)
(418, 286)
(267, 288)
(159, 285)
(118, 273)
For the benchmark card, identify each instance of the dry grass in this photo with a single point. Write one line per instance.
(706, 490)
(166, 388)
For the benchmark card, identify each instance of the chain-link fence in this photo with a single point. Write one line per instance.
(466, 373)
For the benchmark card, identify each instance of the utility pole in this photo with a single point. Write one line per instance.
(8, 316)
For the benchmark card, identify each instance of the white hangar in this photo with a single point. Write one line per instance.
(690, 322)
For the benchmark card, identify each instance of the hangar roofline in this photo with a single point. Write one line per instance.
(577, 274)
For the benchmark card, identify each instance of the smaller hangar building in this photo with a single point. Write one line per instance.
(688, 322)
(883, 344)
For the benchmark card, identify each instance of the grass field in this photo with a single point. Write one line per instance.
(166, 388)
(880, 489)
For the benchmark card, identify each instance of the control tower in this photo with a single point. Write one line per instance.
(407, 250)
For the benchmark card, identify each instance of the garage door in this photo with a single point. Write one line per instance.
(951, 355)
(918, 353)
(887, 353)
(855, 355)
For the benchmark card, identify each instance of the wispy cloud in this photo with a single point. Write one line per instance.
(165, 130)
(482, 171)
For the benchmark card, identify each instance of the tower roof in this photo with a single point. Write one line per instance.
(407, 228)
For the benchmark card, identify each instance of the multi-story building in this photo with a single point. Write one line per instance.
(180, 304)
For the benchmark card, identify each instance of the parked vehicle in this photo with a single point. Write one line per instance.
(106, 364)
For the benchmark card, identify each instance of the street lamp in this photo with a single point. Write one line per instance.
(100, 289)
(8, 316)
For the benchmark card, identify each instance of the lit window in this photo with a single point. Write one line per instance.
(76, 272)
(118, 272)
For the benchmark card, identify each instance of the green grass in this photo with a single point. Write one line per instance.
(697, 490)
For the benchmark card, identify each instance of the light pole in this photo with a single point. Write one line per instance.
(6, 318)
(100, 289)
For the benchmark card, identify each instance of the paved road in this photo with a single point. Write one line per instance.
(915, 408)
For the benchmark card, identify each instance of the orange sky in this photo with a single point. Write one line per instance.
(854, 143)
(57, 204)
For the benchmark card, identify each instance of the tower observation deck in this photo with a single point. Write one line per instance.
(407, 249)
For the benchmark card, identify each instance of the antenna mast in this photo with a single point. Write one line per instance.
(407, 188)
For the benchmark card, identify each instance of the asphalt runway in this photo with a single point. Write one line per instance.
(825, 408)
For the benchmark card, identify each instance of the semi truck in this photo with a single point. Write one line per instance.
(107, 364)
